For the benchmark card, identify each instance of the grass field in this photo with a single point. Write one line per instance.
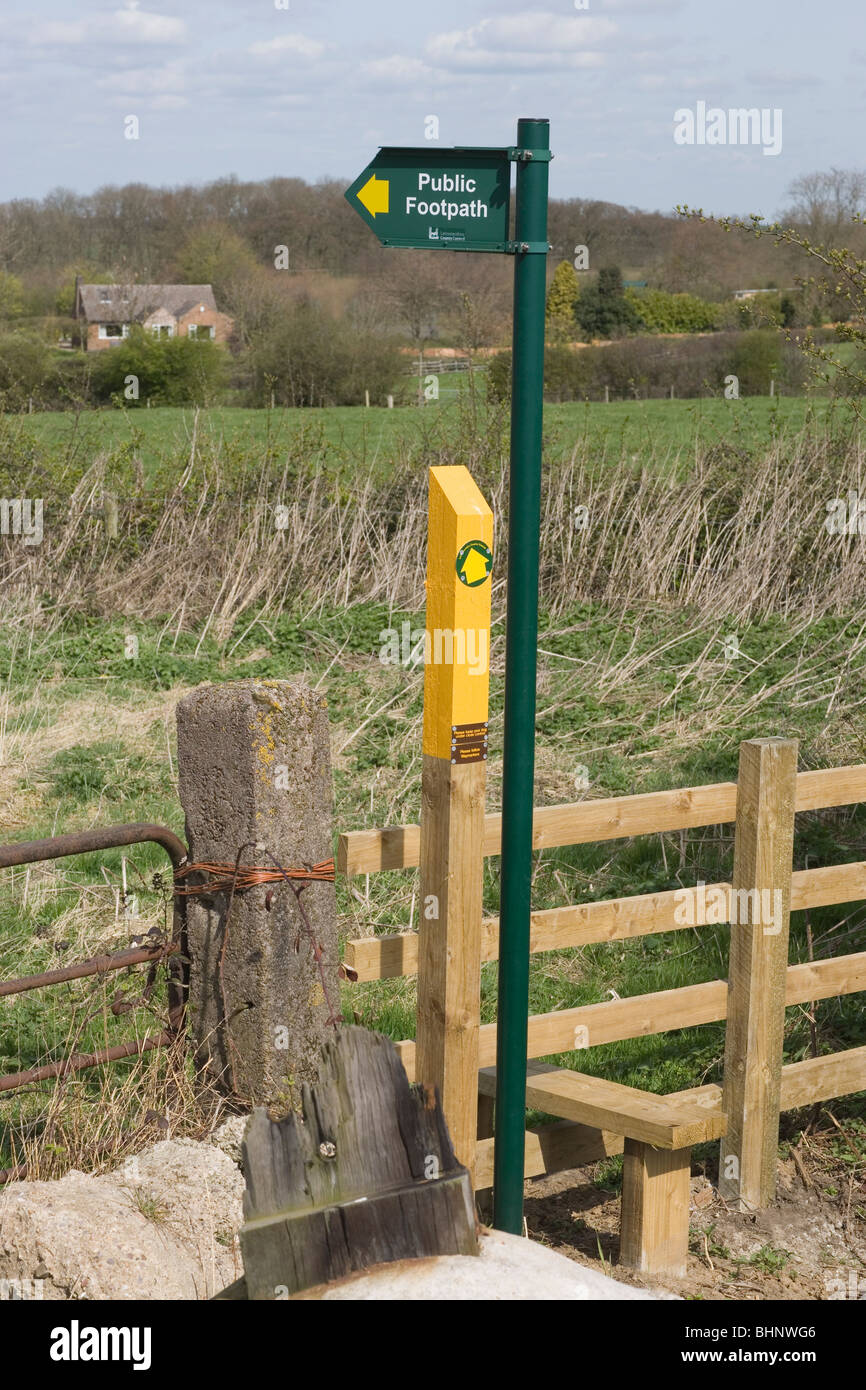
(345, 437)
(634, 686)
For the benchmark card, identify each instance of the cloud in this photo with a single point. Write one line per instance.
(57, 32)
(784, 81)
(398, 69)
(288, 43)
(129, 25)
(133, 23)
(526, 40)
(643, 6)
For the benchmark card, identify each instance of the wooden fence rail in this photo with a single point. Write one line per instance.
(617, 817)
(614, 1020)
(613, 919)
(756, 905)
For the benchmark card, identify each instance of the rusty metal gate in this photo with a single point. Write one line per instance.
(174, 949)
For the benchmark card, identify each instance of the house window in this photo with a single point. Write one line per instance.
(162, 330)
(200, 330)
(113, 331)
(105, 297)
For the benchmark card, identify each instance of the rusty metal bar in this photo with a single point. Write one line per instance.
(80, 1060)
(85, 841)
(97, 965)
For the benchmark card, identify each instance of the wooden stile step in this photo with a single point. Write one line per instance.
(658, 1132)
(662, 1121)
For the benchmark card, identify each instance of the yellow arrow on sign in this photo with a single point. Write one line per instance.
(374, 195)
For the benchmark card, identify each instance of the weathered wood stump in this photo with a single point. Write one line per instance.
(367, 1177)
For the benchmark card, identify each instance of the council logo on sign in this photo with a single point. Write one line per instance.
(474, 563)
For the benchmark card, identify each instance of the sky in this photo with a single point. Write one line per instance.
(311, 88)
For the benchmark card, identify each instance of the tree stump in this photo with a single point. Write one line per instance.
(368, 1176)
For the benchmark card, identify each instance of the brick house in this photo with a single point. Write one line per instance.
(170, 311)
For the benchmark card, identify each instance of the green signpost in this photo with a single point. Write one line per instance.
(458, 200)
(453, 199)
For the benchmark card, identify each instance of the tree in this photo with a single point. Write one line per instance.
(418, 289)
(11, 296)
(603, 310)
(482, 301)
(562, 298)
(309, 359)
(215, 255)
(824, 204)
(841, 275)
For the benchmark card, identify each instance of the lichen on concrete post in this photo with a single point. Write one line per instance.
(254, 770)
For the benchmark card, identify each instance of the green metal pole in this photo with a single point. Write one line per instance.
(524, 522)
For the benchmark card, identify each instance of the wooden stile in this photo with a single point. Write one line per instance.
(600, 1118)
(550, 1148)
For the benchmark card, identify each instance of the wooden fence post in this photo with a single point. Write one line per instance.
(456, 679)
(655, 1209)
(110, 512)
(759, 916)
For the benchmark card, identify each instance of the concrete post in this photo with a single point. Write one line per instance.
(254, 768)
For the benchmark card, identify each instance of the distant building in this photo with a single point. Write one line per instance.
(750, 294)
(169, 311)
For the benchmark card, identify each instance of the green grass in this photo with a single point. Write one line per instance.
(346, 437)
(644, 699)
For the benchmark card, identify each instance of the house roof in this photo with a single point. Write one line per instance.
(132, 303)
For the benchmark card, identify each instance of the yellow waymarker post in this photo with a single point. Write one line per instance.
(456, 685)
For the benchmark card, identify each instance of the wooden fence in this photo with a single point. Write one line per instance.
(762, 984)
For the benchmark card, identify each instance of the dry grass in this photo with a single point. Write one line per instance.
(735, 538)
(738, 536)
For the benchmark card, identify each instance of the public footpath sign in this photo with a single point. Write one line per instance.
(458, 200)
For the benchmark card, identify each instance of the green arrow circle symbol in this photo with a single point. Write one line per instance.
(474, 563)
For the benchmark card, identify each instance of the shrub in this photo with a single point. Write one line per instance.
(763, 354)
(24, 366)
(562, 298)
(499, 377)
(661, 312)
(646, 366)
(309, 358)
(11, 296)
(68, 383)
(168, 371)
